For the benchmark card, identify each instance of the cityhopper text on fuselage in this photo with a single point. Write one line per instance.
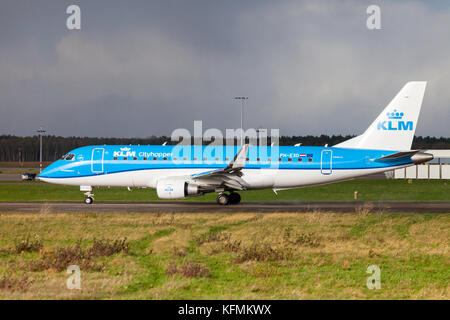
(226, 170)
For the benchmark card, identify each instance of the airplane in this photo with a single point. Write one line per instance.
(384, 146)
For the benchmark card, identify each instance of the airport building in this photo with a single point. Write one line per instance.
(438, 168)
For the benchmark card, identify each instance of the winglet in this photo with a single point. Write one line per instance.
(240, 158)
(232, 168)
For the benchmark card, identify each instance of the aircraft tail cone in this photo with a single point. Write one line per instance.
(421, 158)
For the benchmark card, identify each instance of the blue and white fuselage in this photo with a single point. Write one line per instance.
(143, 166)
(195, 170)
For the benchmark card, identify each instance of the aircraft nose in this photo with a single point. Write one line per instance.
(47, 172)
(44, 174)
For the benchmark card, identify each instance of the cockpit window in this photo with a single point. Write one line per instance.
(69, 157)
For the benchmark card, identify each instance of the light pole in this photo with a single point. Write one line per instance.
(242, 117)
(40, 131)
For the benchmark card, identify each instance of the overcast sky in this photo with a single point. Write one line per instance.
(138, 68)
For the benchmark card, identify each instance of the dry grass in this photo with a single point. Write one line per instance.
(241, 255)
(60, 258)
(188, 270)
(27, 244)
(8, 284)
(263, 252)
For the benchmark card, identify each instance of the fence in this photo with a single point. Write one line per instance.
(438, 168)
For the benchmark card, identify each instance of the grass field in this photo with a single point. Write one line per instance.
(368, 190)
(225, 256)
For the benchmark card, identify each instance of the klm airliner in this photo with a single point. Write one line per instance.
(384, 146)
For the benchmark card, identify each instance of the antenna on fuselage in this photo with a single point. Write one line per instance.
(298, 144)
(164, 143)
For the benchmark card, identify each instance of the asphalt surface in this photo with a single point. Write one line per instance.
(10, 177)
(202, 207)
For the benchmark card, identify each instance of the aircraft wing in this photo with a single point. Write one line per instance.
(229, 176)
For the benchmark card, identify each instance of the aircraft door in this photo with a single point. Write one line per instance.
(97, 160)
(326, 166)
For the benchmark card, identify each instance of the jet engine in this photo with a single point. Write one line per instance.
(176, 189)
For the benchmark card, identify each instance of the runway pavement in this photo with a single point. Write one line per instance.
(202, 207)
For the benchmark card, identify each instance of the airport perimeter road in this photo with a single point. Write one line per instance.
(10, 177)
(266, 207)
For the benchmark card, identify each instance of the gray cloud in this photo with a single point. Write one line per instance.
(147, 67)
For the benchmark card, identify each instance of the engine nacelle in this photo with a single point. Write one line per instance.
(175, 189)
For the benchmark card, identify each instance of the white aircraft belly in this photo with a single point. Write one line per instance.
(256, 178)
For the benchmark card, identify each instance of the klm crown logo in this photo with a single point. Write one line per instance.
(395, 114)
(395, 123)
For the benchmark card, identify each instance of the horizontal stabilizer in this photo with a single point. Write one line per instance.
(398, 155)
(415, 155)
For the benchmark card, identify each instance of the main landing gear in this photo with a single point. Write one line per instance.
(225, 199)
(89, 195)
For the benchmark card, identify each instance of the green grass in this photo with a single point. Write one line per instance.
(411, 250)
(368, 190)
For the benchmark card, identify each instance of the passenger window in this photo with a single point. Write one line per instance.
(115, 158)
(269, 159)
(145, 158)
(125, 158)
(300, 159)
(154, 158)
(257, 159)
(279, 159)
(134, 158)
(165, 158)
(310, 159)
(289, 159)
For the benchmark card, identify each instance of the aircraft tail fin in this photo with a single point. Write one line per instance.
(394, 128)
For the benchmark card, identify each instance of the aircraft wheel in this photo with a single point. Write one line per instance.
(235, 198)
(223, 199)
(88, 200)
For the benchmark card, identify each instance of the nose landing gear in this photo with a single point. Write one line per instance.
(89, 195)
(224, 199)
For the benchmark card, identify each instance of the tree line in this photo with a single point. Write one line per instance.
(13, 148)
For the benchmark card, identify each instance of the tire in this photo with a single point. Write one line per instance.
(234, 198)
(223, 199)
(88, 200)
